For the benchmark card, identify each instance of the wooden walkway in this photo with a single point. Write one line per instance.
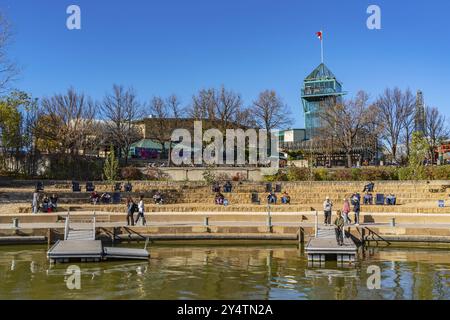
(80, 244)
(325, 247)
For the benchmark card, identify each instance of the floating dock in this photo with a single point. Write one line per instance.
(79, 244)
(325, 247)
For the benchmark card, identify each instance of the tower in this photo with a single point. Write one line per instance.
(320, 87)
(419, 125)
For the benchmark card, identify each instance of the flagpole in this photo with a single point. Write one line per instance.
(321, 47)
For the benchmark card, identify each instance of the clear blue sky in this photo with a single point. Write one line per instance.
(179, 46)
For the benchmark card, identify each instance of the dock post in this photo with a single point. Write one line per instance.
(206, 224)
(49, 237)
(301, 236)
(269, 224)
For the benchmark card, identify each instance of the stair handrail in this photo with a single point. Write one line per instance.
(67, 226)
(94, 226)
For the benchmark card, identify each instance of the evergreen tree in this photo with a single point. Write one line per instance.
(111, 166)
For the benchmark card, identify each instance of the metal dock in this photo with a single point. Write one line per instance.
(80, 244)
(324, 246)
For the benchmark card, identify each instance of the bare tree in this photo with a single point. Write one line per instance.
(8, 69)
(66, 123)
(396, 110)
(436, 130)
(121, 109)
(204, 105)
(347, 122)
(270, 112)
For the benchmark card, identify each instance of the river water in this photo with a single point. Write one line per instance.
(229, 272)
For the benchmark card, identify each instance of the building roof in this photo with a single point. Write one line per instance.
(149, 144)
(321, 73)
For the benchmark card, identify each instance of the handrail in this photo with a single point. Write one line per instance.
(67, 226)
(94, 226)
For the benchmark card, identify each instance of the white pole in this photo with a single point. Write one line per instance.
(321, 47)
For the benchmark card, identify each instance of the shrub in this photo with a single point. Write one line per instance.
(131, 174)
(297, 174)
(343, 175)
(321, 174)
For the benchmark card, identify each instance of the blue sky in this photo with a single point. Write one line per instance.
(162, 47)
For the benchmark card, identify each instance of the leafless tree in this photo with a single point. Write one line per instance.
(8, 69)
(66, 123)
(270, 112)
(347, 122)
(121, 109)
(396, 111)
(436, 130)
(204, 105)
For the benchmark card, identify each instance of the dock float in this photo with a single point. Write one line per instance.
(324, 246)
(80, 245)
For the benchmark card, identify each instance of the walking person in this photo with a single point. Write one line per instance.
(339, 224)
(356, 201)
(131, 209)
(327, 209)
(346, 211)
(141, 211)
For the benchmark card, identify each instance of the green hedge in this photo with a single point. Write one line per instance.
(357, 174)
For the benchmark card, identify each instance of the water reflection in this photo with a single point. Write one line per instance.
(264, 272)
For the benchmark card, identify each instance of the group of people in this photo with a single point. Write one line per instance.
(132, 208)
(96, 198)
(220, 200)
(44, 203)
(227, 187)
(354, 201)
(273, 199)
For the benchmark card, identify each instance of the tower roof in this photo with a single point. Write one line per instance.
(321, 73)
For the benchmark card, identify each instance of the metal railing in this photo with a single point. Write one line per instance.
(67, 226)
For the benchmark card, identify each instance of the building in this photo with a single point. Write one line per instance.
(292, 136)
(320, 87)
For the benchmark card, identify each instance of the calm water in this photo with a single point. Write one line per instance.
(238, 272)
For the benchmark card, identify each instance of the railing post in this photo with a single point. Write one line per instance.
(94, 227)
(67, 226)
(317, 225)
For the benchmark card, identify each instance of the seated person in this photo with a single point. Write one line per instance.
(128, 187)
(228, 187)
(45, 204)
(105, 198)
(54, 202)
(272, 198)
(368, 199)
(158, 198)
(219, 198)
(286, 198)
(369, 187)
(95, 197)
(216, 188)
(391, 200)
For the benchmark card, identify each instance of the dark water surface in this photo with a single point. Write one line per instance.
(229, 272)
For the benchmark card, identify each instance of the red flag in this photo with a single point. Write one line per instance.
(319, 35)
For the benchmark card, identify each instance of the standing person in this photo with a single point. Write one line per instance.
(141, 211)
(356, 201)
(346, 210)
(327, 209)
(35, 202)
(339, 224)
(131, 209)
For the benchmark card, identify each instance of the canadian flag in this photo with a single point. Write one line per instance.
(319, 35)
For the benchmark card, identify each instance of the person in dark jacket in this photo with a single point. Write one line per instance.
(131, 209)
(356, 202)
(339, 224)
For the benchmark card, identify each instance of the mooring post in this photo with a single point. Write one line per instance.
(301, 236)
(206, 224)
(49, 237)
